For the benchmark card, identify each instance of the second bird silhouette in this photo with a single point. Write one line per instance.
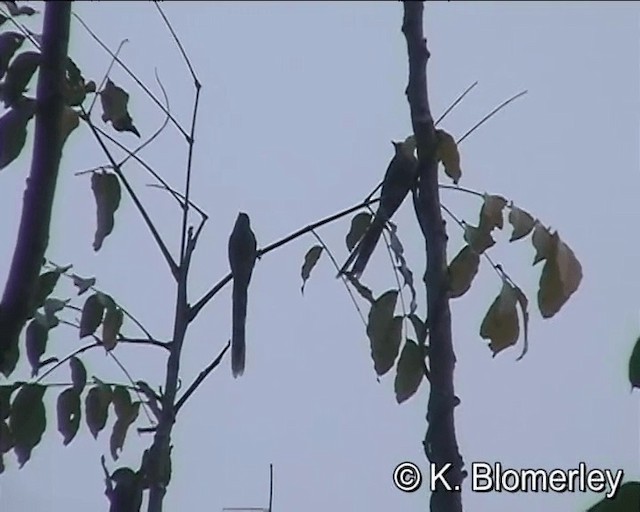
(242, 259)
(396, 184)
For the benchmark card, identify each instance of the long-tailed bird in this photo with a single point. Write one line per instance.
(242, 259)
(398, 181)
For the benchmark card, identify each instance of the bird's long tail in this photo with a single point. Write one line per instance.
(238, 322)
(367, 245)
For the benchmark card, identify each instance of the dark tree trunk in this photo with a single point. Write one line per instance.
(33, 234)
(440, 444)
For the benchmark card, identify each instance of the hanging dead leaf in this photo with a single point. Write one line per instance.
(560, 278)
(18, 76)
(78, 374)
(407, 280)
(384, 331)
(53, 305)
(634, 366)
(44, 287)
(92, 313)
(154, 401)
(74, 87)
(9, 44)
(13, 130)
(126, 413)
(310, 260)
(478, 238)
(27, 420)
(36, 342)
(448, 154)
(83, 283)
(419, 328)
(409, 371)
(491, 213)
(362, 290)
(97, 408)
(462, 269)
(396, 245)
(521, 221)
(69, 121)
(23, 10)
(114, 101)
(107, 193)
(111, 325)
(500, 324)
(68, 409)
(523, 302)
(542, 242)
(359, 225)
(6, 439)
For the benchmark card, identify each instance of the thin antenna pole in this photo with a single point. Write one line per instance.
(270, 486)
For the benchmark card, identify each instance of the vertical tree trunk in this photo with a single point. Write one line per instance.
(33, 234)
(440, 444)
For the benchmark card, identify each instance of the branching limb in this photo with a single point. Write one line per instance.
(201, 377)
(195, 309)
(161, 245)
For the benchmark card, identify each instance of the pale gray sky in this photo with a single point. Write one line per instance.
(300, 101)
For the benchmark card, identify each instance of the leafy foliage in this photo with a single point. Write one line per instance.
(92, 314)
(627, 499)
(69, 414)
(27, 420)
(97, 408)
(409, 372)
(107, 193)
(462, 269)
(310, 260)
(359, 225)
(18, 76)
(449, 156)
(13, 130)
(384, 331)
(115, 102)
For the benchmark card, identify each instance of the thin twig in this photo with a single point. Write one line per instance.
(179, 44)
(342, 276)
(180, 198)
(200, 378)
(195, 309)
(131, 74)
(462, 189)
(453, 105)
(187, 185)
(490, 115)
(106, 75)
(158, 239)
(62, 361)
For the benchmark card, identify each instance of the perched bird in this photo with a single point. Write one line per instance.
(242, 259)
(398, 181)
